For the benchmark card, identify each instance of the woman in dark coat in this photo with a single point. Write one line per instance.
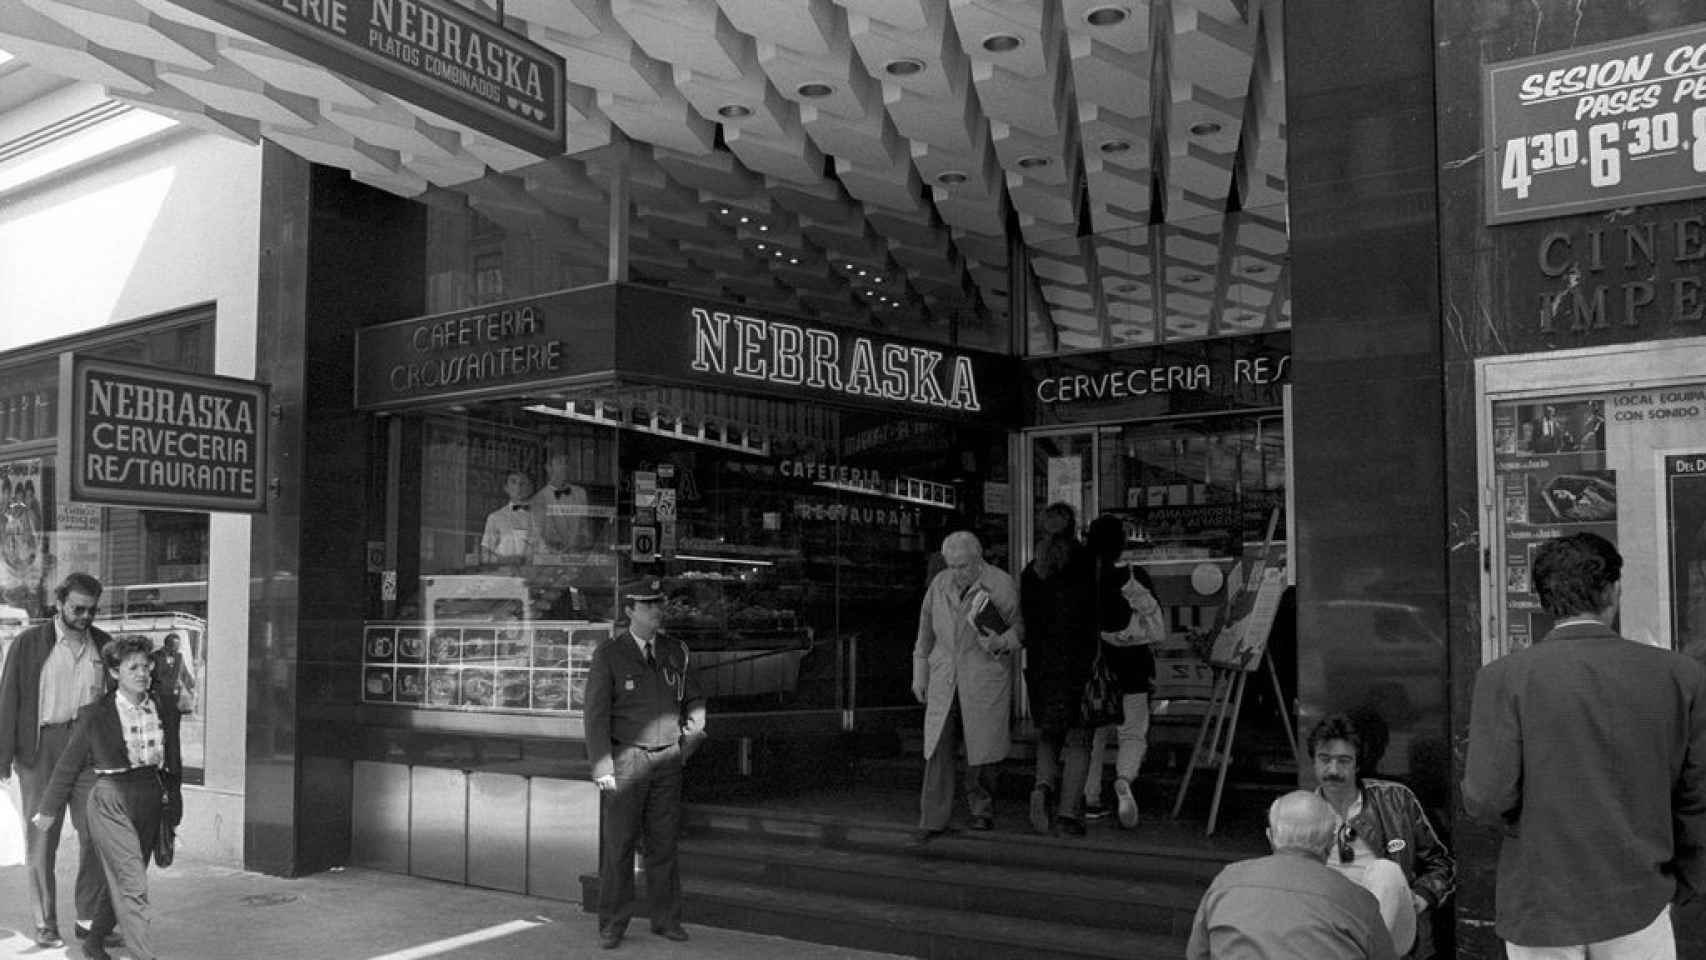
(137, 765)
(1057, 600)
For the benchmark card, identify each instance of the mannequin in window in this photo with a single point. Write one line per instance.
(559, 510)
(509, 528)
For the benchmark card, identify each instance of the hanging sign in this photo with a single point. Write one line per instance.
(1595, 128)
(149, 437)
(432, 53)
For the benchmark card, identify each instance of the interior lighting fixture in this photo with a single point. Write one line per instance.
(734, 111)
(1031, 163)
(814, 90)
(904, 67)
(1106, 16)
(745, 219)
(950, 177)
(708, 434)
(1001, 43)
(1205, 128)
(742, 561)
(925, 493)
(763, 228)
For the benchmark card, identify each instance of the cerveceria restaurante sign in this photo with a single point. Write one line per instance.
(150, 437)
(433, 53)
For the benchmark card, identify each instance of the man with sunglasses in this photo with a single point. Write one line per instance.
(1384, 840)
(51, 672)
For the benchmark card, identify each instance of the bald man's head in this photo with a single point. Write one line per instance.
(1303, 822)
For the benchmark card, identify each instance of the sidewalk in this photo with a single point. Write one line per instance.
(211, 912)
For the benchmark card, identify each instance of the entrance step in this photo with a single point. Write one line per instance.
(1004, 893)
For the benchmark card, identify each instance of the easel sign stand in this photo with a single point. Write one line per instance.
(1240, 649)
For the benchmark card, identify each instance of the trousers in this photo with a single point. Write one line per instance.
(42, 846)
(936, 799)
(1655, 941)
(644, 807)
(124, 817)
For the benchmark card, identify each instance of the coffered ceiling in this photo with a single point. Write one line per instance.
(860, 160)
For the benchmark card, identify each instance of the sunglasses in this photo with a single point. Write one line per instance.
(1347, 836)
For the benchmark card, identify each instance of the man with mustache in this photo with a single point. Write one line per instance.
(1383, 838)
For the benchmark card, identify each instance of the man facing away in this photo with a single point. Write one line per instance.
(964, 677)
(1290, 905)
(1590, 751)
(644, 717)
(1385, 841)
(52, 671)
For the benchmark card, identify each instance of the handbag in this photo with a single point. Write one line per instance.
(164, 841)
(1102, 704)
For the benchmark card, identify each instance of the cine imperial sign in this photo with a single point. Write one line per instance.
(149, 437)
(434, 54)
(1595, 128)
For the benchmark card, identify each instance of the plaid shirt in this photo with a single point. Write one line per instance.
(142, 736)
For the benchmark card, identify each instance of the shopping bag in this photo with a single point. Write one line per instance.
(11, 828)
(1147, 625)
(1102, 704)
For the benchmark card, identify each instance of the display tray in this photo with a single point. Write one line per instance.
(538, 667)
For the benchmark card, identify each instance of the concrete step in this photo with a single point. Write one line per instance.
(1133, 903)
(1131, 857)
(912, 930)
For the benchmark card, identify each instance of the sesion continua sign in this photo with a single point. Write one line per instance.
(432, 53)
(148, 437)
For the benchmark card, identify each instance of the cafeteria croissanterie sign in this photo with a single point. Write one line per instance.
(149, 437)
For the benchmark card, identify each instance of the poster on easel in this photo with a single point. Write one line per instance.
(1243, 640)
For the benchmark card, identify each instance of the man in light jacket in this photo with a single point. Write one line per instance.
(963, 674)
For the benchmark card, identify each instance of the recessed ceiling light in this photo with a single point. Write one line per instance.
(1115, 146)
(793, 259)
(1206, 128)
(763, 227)
(745, 219)
(761, 246)
(723, 210)
(814, 90)
(1106, 16)
(1031, 163)
(734, 111)
(950, 177)
(1001, 43)
(904, 67)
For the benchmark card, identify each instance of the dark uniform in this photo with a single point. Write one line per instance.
(642, 721)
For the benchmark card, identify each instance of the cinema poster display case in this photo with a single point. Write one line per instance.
(1605, 440)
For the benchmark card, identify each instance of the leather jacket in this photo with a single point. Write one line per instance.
(1393, 824)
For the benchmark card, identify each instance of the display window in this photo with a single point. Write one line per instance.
(793, 539)
(1611, 442)
(152, 564)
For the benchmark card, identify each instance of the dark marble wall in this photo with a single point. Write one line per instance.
(337, 255)
(1491, 286)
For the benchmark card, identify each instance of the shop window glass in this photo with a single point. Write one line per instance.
(152, 563)
(793, 542)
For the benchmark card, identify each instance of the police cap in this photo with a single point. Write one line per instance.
(642, 591)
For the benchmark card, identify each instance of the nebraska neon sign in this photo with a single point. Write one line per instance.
(778, 352)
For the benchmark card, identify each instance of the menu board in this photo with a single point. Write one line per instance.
(534, 667)
(1597, 127)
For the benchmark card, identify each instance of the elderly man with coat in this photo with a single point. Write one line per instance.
(962, 671)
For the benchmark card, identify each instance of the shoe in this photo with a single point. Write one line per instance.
(609, 939)
(1128, 804)
(922, 838)
(95, 951)
(1071, 826)
(48, 938)
(673, 933)
(1039, 808)
(983, 823)
(82, 930)
(1093, 810)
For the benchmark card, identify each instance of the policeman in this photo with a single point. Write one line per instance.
(644, 717)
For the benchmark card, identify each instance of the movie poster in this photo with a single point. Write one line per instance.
(1685, 511)
(23, 537)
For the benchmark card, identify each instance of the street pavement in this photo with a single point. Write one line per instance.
(210, 912)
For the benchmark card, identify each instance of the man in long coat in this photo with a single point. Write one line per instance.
(963, 674)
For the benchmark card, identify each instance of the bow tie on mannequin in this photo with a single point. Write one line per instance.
(562, 491)
(518, 506)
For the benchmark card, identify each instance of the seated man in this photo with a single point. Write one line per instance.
(1384, 839)
(1290, 905)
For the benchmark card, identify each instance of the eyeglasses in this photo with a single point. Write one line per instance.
(80, 610)
(1347, 836)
